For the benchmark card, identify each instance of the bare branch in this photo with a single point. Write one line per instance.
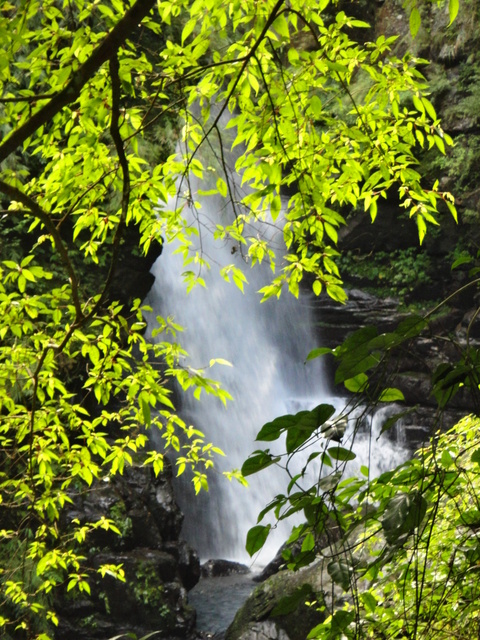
(122, 158)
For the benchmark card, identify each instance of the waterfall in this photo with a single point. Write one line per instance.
(267, 344)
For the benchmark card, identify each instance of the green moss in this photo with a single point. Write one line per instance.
(395, 273)
(148, 588)
(118, 513)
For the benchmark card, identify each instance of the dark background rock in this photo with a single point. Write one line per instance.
(159, 568)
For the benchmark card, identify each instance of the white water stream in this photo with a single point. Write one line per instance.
(267, 345)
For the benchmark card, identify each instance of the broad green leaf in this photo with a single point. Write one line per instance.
(340, 453)
(303, 422)
(340, 572)
(258, 461)
(306, 424)
(355, 363)
(369, 601)
(256, 538)
(391, 395)
(461, 260)
(316, 353)
(357, 384)
(403, 514)
(411, 327)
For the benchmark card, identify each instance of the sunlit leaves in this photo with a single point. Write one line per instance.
(415, 21)
(296, 127)
(257, 461)
(453, 7)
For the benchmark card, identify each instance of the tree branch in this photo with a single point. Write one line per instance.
(86, 71)
(246, 59)
(37, 211)
(122, 158)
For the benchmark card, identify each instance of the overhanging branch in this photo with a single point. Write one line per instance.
(70, 93)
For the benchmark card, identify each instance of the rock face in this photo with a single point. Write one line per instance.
(410, 367)
(388, 249)
(276, 610)
(220, 568)
(158, 567)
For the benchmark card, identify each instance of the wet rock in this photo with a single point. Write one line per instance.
(265, 630)
(266, 614)
(218, 568)
(159, 568)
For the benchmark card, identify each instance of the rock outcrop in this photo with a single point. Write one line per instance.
(159, 567)
(277, 609)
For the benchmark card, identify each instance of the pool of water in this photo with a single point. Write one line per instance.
(217, 600)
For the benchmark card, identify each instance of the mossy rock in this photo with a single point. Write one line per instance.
(276, 609)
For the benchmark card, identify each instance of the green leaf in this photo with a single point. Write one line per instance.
(188, 29)
(306, 423)
(392, 420)
(147, 417)
(453, 6)
(411, 326)
(222, 187)
(403, 514)
(469, 518)
(327, 483)
(357, 384)
(302, 423)
(461, 260)
(256, 538)
(258, 461)
(415, 21)
(369, 601)
(316, 353)
(340, 453)
(391, 395)
(340, 572)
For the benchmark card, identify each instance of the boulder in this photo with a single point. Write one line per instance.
(277, 609)
(219, 568)
(159, 567)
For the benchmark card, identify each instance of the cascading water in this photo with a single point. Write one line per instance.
(267, 345)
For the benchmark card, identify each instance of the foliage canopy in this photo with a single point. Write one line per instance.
(330, 121)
